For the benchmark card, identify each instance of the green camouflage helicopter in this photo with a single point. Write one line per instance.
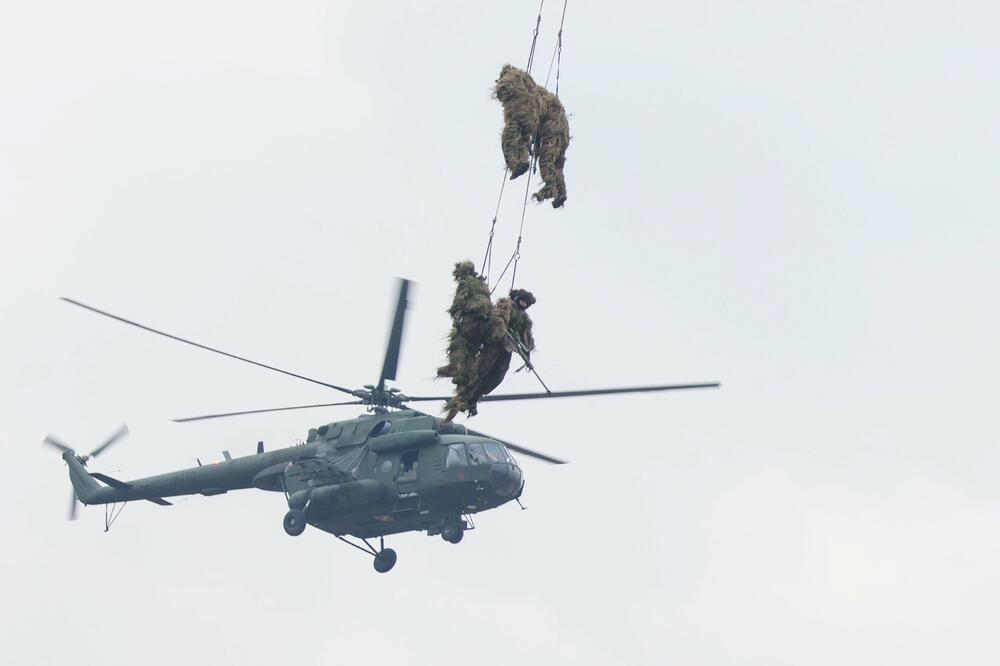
(391, 470)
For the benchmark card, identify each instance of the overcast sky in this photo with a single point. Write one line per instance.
(798, 199)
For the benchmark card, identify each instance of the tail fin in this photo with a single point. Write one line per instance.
(84, 486)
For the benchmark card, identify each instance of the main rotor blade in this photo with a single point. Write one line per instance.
(520, 449)
(52, 441)
(205, 347)
(121, 432)
(262, 411)
(72, 506)
(395, 336)
(572, 394)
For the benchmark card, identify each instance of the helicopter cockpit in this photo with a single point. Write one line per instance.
(504, 472)
(478, 453)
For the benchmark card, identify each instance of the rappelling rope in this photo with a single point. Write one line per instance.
(520, 232)
(487, 266)
(557, 56)
(534, 37)
(517, 250)
(557, 52)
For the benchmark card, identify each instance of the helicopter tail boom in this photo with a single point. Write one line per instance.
(84, 486)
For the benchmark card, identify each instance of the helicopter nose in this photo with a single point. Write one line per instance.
(505, 479)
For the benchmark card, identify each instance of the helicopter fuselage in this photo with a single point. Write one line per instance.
(375, 475)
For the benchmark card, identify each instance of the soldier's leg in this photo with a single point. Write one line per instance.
(471, 396)
(547, 153)
(496, 374)
(473, 335)
(515, 149)
(454, 342)
(465, 367)
(559, 197)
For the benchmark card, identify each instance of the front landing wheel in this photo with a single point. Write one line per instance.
(385, 560)
(295, 522)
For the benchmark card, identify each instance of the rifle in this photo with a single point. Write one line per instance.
(524, 354)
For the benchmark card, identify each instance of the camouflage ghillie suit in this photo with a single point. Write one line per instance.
(468, 387)
(520, 322)
(493, 361)
(470, 315)
(534, 120)
(553, 138)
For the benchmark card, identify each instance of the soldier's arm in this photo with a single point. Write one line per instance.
(527, 339)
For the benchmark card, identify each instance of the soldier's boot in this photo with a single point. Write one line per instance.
(453, 407)
(547, 169)
(520, 169)
(545, 193)
(559, 197)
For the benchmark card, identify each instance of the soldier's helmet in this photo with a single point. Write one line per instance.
(464, 269)
(517, 295)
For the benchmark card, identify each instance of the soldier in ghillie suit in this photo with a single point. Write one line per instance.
(510, 333)
(534, 120)
(470, 315)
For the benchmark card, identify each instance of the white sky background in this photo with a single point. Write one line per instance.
(795, 198)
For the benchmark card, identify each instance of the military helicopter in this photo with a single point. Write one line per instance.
(392, 469)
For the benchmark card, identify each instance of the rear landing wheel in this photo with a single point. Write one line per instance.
(452, 533)
(385, 560)
(295, 522)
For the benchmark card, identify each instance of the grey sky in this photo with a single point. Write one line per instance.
(795, 198)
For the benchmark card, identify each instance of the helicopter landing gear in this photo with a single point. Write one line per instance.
(385, 560)
(454, 530)
(294, 522)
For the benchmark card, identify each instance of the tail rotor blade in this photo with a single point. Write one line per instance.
(395, 336)
(121, 432)
(72, 506)
(55, 443)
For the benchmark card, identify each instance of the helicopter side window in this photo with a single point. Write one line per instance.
(381, 428)
(477, 456)
(495, 452)
(456, 456)
(408, 465)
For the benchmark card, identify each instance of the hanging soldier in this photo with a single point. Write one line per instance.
(470, 315)
(534, 124)
(510, 333)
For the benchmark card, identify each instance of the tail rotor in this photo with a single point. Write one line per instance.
(61, 446)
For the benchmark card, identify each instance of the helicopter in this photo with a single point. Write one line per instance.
(390, 470)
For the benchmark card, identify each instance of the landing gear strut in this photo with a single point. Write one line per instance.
(385, 558)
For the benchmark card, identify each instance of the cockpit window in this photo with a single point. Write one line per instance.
(456, 456)
(495, 452)
(477, 456)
